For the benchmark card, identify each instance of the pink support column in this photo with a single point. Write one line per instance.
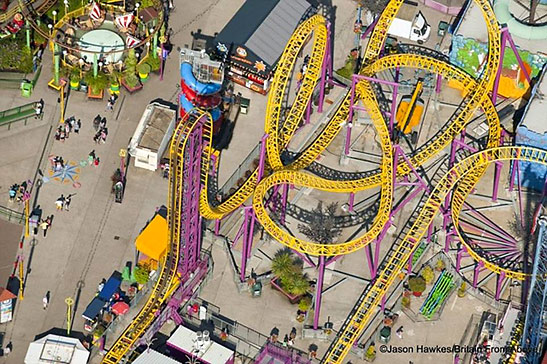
(499, 284)
(245, 247)
(217, 226)
(497, 174)
(476, 272)
(308, 112)
(351, 201)
(517, 55)
(350, 117)
(394, 104)
(318, 292)
(249, 222)
(284, 196)
(500, 66)
(514, 164)
(409, 267)
(459, 258)
(324, 66)
(439, 83)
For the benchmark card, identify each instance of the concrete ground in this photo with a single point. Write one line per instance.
(96, 236)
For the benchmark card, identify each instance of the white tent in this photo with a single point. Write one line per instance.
(56, 349)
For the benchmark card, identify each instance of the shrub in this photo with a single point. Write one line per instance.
(428, 274)
(142, 273)
(96, 83)
(143, 68)
(461, 290)
(405, 302)
(305, 303)
(129, 74)
(417, 284)
(154, 63)
(440, 265)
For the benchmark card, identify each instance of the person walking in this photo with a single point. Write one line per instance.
(97, 161)
(60, 202)
(109, 105)
(91, 157)
(399, 332)
(77, 126)
(96, 122)
(68, 200)
(44, 225)
(45, 300)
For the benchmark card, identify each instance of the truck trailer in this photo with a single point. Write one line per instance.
(152, 136)
(410, 23)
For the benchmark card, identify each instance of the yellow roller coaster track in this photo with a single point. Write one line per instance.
(168, 280)
(281, 128)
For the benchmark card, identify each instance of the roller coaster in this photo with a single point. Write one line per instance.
(191, 150)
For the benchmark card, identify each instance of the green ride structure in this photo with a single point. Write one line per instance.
(440, 291)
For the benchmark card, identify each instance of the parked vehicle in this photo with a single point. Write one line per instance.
(410, 23)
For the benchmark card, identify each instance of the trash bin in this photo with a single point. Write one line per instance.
(244, 105)
(26, 89)
(443, 27)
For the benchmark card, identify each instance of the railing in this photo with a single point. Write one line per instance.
(11, 215)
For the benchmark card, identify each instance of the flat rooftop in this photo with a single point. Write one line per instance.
(158, 123)
(534, 115)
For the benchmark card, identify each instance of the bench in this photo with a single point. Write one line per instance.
(17, 114)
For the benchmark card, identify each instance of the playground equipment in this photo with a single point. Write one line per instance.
(192, 155)
(440, 291)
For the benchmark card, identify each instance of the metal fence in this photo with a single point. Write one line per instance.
(13, 216)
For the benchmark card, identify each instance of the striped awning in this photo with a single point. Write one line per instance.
(95, 12)
(123, 21)
(131, 41)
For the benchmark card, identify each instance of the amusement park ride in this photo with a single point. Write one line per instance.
(193, 194)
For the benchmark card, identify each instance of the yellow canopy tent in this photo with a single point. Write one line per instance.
(152, 241)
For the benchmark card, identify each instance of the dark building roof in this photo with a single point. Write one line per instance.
(263, 27)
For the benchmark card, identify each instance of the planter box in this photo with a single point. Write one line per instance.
(292, 299)
(130, 89)
(417, 294)
(91, 95)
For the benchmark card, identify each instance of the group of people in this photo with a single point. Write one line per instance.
(63, 203)
(45, 224)
(57, 163)
(99, 123)
(18, 192)
(64, 130)
(92, 159)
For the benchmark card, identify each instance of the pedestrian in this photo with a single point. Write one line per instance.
(68, 200)
(96, 122)
(91, 157)
(44, 226)
(399, 332)
(97, 161)
(8, 349)
(45, 300)
(109, 105)
(77, 126)
(286, 340)
(102, 124)
(60, 202)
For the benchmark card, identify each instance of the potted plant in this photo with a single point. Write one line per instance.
(144, 70)
(417, 285)
(405, 302)
(370, 355)
(115, 82)
(130, 80)
(462, 289)
(428, 274)
(96, 84)
(288, 276)
(439, 266)
(75, 78)
(303, 306)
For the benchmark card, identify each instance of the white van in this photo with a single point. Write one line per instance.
(410, 23)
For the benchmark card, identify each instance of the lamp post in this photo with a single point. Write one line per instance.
(50, 27)
(65, 52)
(137, 6)
(95, 70)
(56, 62)
(54, 12)
(66, 6)
(69, 303)
(81, 62)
